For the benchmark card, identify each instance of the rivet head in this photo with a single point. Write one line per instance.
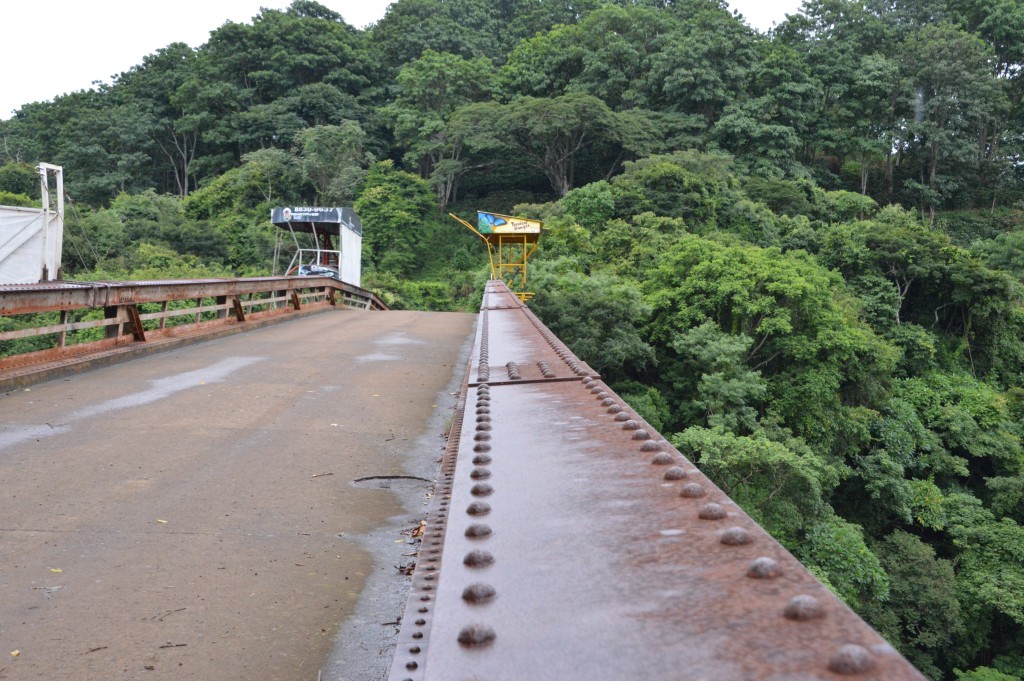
(482, 459)
(735, 536)
(764, 568)
(477, 635)
(602, 395)
(480, 474)
(607, 402)
(483, 418)
(483, 410)
(803, 608)
(641, 434)
(479, 508)
(630, 424)
(481, 490)
(663, 459)
(481, 447)
(614, 409)
(484, 426)
(650, 446)
(411, 664)
(676, 473)
(478, 531)
(692, 490)
(478, 559)
(851, 659)
(621, 416)
(478, 593)
(481, 437)
(712, 511)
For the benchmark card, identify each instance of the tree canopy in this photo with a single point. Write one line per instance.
(797, 253)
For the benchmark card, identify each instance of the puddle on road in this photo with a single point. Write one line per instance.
(398, 339)
(160, 389)
(377, 357)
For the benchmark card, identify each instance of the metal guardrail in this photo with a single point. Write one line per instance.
(567, 539)
(141, 312)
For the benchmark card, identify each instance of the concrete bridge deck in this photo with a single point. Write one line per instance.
(192, 514)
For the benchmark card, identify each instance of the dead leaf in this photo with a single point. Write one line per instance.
(162, 522)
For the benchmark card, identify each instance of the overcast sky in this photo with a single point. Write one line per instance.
(48, 49)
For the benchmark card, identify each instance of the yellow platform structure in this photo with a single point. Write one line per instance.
(510, 242)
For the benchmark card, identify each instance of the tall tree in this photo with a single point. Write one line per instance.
(959, 98)
(551, 133)
(429, 91)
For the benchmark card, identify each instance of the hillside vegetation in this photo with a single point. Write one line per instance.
(799, 253)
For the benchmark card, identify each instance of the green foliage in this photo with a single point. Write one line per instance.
(591, 206)
(922, 614)
(1004, 252)
(457, 294)
(393, 204)
(729, 392)
(800, 250)
(983, 674)
(837, 548)
(796, 314)
(782, 485)
(646, 401)
(598, 316)
(990, 554)
(334, 158)
(12, 199)
(18, 178)
(152, 262)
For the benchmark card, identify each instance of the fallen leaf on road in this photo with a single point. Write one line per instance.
(15, 653)
(162, 522)
(56, 570)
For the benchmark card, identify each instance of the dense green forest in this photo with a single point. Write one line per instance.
(801, 253)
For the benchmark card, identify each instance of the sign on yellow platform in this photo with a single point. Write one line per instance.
(495, 223)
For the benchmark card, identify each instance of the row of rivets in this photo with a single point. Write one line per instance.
(429, 556)
(849, 659)
(483, 371)
(480, 593)
(513, 371)
(556, 345)
(545, 369)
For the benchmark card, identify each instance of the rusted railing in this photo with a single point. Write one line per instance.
(70, 319)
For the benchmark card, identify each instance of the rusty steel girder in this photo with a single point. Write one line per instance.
(568, 539)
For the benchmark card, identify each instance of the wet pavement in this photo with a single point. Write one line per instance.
(193, 514)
